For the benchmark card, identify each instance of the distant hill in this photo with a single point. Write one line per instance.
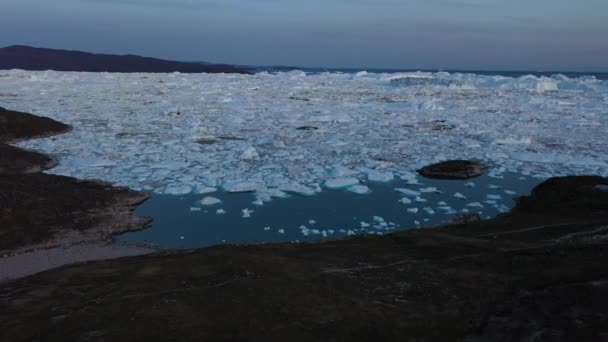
(30, 58)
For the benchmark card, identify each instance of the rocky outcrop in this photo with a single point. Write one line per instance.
(454, 169)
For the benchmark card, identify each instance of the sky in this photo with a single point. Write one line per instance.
(531, 35)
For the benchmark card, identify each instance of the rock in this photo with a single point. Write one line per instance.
(307, 128)
(453, 169)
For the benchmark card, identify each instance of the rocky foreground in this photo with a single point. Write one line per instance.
(539, 273)
(40, 211)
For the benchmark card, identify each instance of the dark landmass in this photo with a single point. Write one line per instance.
(30, 58)
(539, 273)
(453, 169)
(38, 210)
(536, 274)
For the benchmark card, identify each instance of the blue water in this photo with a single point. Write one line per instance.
(336, 213)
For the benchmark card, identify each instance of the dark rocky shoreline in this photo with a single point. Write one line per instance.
(39, 210)
(539, 273)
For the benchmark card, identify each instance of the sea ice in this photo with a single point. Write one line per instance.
(459, 195)
(220, 212)
(246, 213)
(338, 183)
(408, 192)
(359, 189)
(208, 201)
(379, 176)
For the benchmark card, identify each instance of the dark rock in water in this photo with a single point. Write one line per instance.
(230, 138)
(205, 141)
(307, 128)
(454, 169)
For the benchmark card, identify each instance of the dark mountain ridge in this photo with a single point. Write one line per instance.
(31, 58)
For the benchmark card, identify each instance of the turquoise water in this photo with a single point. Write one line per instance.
(181, 222)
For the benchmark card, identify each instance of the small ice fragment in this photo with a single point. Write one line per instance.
(405, 200)
(359, 189)
(490, 201)
(297, 189)
(420, 199)
(241, 186)
(281, 231)
(311, 222)
(428, 190)
(338, 183)
(412, 210)
(181, 237)
(324, 233)
(350, 232)
(417, 222)
(205, 190)
(429, 210)
(210, 201)
(510, 192)
(494, 197)
(220, 212)
(266, 228)
(342, 171)
(258, 202)
(442, 203)
(302, 227)
(364, 224)
(378, 219)
(407, 192)
(178, 190)
(195, 209)
(475, 205)
(315, 231)
(459, 195)
(331, 231)
(247, 212)
(250, 153)
(380, 176)
(469, 184)
(492, 186)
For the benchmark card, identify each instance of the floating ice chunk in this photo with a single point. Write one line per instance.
(469, 184)
(220, 212)
(490, 202)
(195, 209)
(417, 222)
(297, 189)
(267, 228)
(177, 190)
(459, 195)
(412, 210)
(276, 193)
(494, 197)
(205, 190)
(405, 200)
(246, 186)
(208, 201)
(338, 183)
(341, 171)
(420, 199)
(331, 231)
(429, 190)
(246, 213)
(442, 203)
(510, 192)
(475, 205)
(364, 224)
(258, 202)
(429, 210)
(378, 219)
(359, 189)
(315, 231)
(281, 231)
(324, 233)
(407, 192)
(312, 222)
(380, 176)
(492, 186)
(250, 153)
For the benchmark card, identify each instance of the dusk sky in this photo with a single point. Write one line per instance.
(562, 35)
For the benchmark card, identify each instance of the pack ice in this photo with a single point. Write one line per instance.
(299, 133)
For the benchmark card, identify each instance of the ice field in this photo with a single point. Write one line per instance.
(199, 138)
(297, 133)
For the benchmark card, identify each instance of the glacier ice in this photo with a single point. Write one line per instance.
(338, 183)
(238, 132)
